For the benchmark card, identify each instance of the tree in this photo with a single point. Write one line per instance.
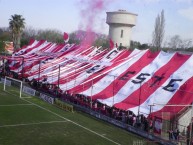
(51, 35)
(143, 46)
(16, 25)
(29, 32)
(177, 43)
(134, 44)
(158, 33)
(174, 42)
(101, 40)
(4, 36)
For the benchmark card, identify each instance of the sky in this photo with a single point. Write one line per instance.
(70, 15)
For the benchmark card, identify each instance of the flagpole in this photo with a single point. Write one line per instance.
(58, 79)
(39, 73)
(139, 99)
(113, 90)
(91, 95)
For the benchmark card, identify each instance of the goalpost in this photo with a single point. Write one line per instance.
(15, 87)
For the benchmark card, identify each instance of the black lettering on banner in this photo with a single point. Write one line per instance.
(140, 78)
(170, 86)
(157, 80)
(93, 69)
(126, 75)
(112, 53)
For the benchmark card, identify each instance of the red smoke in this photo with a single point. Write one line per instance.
(90, 13)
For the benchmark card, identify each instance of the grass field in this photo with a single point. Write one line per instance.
(31, 121)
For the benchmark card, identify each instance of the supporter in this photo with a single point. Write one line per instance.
(134, 120)
(150, 125)
(123, 116)
(146, 125)
(170, 134)
(138, 121)
(103, 109)
(95, 106)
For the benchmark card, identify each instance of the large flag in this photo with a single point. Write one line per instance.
(111, 44)
(128, 80)
(158, 125)
(66, 37)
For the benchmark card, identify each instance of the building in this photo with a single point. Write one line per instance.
(120, 24)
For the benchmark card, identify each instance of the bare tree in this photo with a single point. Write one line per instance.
(174, 42)
(159, 30)
(187, 43)
(29, 32)
(177, 43)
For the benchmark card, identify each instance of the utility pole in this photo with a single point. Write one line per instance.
(91, 95)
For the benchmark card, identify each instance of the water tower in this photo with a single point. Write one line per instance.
(120, 23)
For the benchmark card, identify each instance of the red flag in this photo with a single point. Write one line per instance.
(158, 125)
(111, 43)
(66, 37)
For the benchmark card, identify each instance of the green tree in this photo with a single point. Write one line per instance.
(101, 40)
(134, 44)
(4, 36)
(16, 25)
(50, 35)
(143, 46)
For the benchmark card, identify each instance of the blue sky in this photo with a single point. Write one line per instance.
(65, 15)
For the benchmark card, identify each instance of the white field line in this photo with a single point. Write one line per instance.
(27, 124)
(73, 122)
(15, 105)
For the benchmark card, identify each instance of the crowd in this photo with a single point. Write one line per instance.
(125, 116)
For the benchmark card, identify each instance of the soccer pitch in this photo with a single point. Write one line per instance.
(31, 121)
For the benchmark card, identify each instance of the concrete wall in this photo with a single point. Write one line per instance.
(121, 17)
(184, 120)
